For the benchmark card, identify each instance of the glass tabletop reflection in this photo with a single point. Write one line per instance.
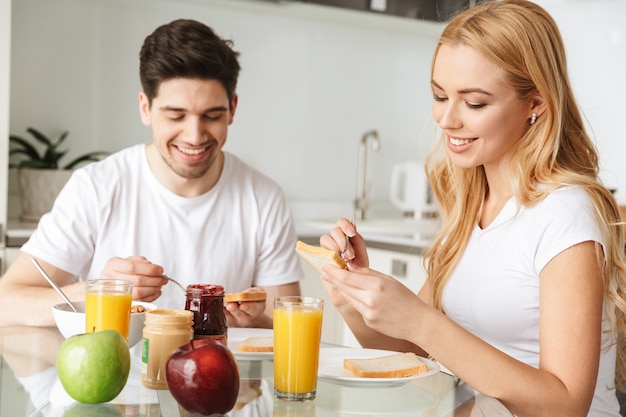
(30, 387)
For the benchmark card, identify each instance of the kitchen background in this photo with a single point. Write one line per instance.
(314, 80)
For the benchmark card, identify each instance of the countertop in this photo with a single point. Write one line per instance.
(314, 218)
(402, 244)
(17, 232)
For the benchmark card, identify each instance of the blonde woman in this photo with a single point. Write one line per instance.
(524, 299)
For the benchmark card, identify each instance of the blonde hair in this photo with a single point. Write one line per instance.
(524, 41)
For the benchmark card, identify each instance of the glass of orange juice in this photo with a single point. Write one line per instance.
(107, 305)
(297, 335)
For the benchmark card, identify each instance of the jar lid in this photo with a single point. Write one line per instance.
(205, 289)
(166, 316)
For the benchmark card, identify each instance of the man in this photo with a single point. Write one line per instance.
(179, 205)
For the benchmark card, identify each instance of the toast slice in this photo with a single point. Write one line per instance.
(238, 297)
(393, 366)
(319, 257)
(257, 344)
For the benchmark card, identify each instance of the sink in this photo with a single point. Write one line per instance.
(393, 227)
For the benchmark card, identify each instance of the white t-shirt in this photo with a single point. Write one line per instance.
(494, 291)
(239, 234)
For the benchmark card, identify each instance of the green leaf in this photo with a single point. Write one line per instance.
(61, 138)
(39, 136)
(27, 154)
(21, 145)
(52, 157)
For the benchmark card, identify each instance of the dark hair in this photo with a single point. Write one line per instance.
(187, 49)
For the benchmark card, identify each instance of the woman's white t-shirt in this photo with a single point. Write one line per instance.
(494, 291)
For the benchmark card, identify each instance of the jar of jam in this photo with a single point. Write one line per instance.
(206, 301)
(163, 332)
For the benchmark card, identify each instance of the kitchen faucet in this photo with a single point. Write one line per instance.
(361, 202)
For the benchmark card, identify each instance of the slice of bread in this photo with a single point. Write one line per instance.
(319, 257)
(257, 344)
(393, 366)
(238, 297)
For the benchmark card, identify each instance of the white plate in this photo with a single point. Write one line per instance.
(331, 368)
(237, 335)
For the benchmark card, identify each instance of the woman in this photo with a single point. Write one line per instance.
(524, 298)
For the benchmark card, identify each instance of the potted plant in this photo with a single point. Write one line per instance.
(40, 173)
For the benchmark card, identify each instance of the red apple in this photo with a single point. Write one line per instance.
(203, 377)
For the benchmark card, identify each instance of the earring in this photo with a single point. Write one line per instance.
(533, 118)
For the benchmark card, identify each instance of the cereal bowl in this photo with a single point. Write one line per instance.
(71, 323)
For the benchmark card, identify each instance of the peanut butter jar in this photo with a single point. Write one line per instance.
(163, 332)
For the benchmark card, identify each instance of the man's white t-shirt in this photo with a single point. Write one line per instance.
(239, 234)
(494, 291)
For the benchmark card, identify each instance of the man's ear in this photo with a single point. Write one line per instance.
(144, 108)
(233, 108)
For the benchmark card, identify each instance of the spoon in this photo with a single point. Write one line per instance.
(175, 282)
(55, 286)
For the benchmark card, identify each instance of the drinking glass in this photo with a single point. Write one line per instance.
(297, 335)
(107, 305)
(285, 408)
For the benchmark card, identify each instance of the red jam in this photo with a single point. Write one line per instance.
(206, 301)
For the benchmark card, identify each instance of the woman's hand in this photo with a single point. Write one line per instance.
(145, 276)
(382, 302)
(355, 252)
(374, 305)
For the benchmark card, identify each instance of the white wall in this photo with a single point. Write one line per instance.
(312, 82)
(595, 40)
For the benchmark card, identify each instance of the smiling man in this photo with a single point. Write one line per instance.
(178, 205)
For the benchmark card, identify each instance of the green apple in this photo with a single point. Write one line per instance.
(93, 367)
(92, 410)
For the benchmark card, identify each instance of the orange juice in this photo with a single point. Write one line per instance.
(297, 334)
(108, 309)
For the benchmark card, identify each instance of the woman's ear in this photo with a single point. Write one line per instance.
(538, 105)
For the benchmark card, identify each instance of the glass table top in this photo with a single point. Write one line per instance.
(30, 387)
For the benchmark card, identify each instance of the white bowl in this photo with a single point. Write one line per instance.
(70, 323)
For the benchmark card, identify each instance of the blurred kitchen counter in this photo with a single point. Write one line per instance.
(304, 211)
(17, 233)
(407, 246)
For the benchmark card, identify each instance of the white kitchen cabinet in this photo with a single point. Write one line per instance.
(311, 286)
(9, 256)
(407, 268)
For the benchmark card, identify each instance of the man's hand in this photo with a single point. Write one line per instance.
(245, 313)
(145, 276)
